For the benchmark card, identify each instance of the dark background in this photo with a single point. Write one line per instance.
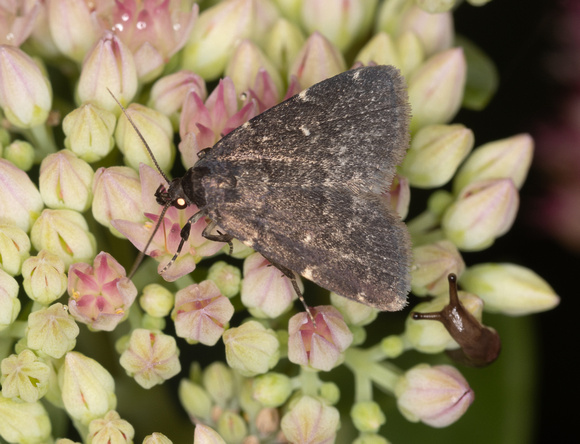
(519, 37)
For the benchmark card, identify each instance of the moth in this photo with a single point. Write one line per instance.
(303, 184)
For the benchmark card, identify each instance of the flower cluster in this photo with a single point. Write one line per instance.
(154, 57)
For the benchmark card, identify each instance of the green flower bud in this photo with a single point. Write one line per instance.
(509, 289)
(311, 420)
(88, 389)
(354, 313)
(89, 132)
(117, 195)
(436, 88)
(282, 44)
(195, 400)
(244, 65)
(24, 377)
(156, 129)
(507, 158)
(20, 153)
(392, 346)
(272, 389)
(432, 263)
(433, 337)
(52, 331)
(483, 211)
(227, 278)
(342, 25)
(232, 427)
(370, 438)
(381, 49)
(411, 52)
(25, 93)
(9, 302)
(318, 60)
(206, 435)
(23, 422)
(20, 201)
(64, 233)
(435, 153)
(73, 27)
(157, 438)
(218, 380)
(151, 358)
(251, 348)
(65, 181)
(156, 300)
(109, 63)
(367, 416)
(435, 31)
(14, 248)
(219, 28)
(110, 429)
(330, 392)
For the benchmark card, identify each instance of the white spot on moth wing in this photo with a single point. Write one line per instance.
(307, 273)
(305, 130)
(303, 95)
(246, 125)
(356, 75)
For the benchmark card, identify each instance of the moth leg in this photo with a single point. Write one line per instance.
(185, 231)
(220, 237)
(292, 276)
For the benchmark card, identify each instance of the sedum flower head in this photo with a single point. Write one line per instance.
(437, 396)
(110, 429)
(52, 331)
(251, 349)
(24, 377)
(320, 346)
(201, 313)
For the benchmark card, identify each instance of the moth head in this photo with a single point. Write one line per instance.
(173, 196)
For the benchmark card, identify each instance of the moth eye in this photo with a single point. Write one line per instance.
(180, 203)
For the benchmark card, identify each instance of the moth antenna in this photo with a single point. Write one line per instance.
(299, 293)
(142, 253)
(140, 137)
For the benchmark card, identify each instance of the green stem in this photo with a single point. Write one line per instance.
(309, 381)
(43, 141)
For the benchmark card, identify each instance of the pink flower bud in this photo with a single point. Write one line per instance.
(9, 302)
(25, 93)
(318, 60)
(20, 201)
(65, 181)
(434, 30)
(265, 291)
(101, 295)
(73, 26)
(437, 396)
(117, 195)
(168, 93)
(110, 65)
(151, 357)
(17, 21)
(201, 313)
(319, 347)
(283, 43)
(483, 211)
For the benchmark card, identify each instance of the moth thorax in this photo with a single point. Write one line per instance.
(191, 184)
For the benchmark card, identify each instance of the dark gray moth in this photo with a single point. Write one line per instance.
(301, 184)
